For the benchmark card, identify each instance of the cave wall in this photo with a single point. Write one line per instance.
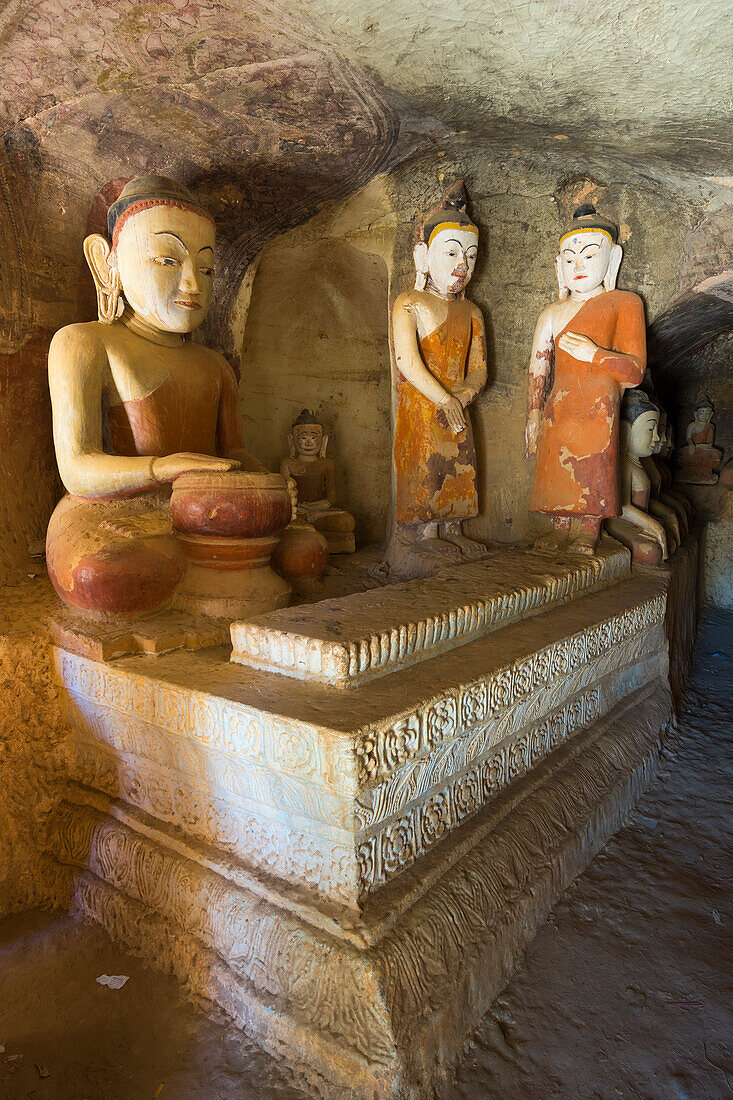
(315, 335)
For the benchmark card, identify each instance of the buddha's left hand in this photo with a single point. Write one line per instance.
(580, 347)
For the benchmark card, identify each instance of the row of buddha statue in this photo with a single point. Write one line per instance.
(165, 505)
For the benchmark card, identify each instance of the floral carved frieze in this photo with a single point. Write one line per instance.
(382, 751)
(399, 843)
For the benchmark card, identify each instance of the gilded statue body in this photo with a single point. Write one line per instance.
(136, 404)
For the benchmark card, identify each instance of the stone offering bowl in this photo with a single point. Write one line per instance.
(228, 524)
(230, 505)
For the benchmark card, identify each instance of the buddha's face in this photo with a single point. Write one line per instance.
(661, 433)
(165, 259)
(668, 441)
(451, 259)
(704, 414)
(644, 435)
(584, 260)
(308, 440)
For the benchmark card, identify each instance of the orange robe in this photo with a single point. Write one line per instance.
(118, 555)
(436, 470)
(577, 456)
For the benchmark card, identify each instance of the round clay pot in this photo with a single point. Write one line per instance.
(301, 554)
(230, 505)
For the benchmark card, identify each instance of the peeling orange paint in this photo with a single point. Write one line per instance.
(577, 455)
(436, 470)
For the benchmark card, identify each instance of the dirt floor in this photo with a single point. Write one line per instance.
(625, 992)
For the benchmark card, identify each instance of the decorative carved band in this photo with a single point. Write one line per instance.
(382, 751)
(513, 587)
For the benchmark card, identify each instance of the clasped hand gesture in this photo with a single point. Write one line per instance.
(453, 410)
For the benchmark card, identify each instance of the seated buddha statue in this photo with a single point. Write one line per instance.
(315, 479)
(663, 460)
(700, 458)
(136, 403)
(643, 534)
(668, 508)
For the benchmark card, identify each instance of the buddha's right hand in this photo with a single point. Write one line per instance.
(454, 413)
(169, 467)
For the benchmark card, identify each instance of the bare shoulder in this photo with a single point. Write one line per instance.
(83, 343)
(406, 301)
(82, 334)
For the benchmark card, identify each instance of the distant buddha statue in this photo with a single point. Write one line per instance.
(700, 459)
(643, 534)
(440, 357)
(595, 337)
(136, 403)
(668, 508)
(315, 478)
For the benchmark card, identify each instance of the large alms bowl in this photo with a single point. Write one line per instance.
(230, 505)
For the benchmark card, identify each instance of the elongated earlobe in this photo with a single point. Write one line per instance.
(103, 267)
(324, 444)
(420, 256)
(614, 263)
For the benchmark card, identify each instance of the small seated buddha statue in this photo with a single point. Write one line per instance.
(136, 403)
(643, 534)
(589, 347)
(315, 477)
(700, 459)
(440, 369)
(667, 508)
(665, 456)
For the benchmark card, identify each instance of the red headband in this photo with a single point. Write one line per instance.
(148, 204)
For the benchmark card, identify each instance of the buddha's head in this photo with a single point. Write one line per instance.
(704, 410)
(445, 254)
(639, 423)
(660, 445)
(307, 437)
(159, 259)
(589, 254)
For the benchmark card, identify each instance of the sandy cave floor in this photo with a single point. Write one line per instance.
(625, 992)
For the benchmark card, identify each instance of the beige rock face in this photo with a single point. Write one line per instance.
(349, 882)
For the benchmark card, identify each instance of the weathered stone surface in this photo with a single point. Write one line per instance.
(345, 642)
(384, 1017)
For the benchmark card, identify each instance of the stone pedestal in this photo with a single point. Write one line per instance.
(349, 873)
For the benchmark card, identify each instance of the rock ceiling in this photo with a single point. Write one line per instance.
(268, 109)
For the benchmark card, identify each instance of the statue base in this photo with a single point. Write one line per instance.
(351, 883)
(685, 477)
(227, 578)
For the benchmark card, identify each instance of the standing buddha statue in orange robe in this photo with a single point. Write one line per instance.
(595, 337)
(440, 356)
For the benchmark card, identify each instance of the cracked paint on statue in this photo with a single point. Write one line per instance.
(595, 337)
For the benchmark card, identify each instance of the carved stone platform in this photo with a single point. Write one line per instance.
(351, 883)
(160, 633)
(345, 642)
